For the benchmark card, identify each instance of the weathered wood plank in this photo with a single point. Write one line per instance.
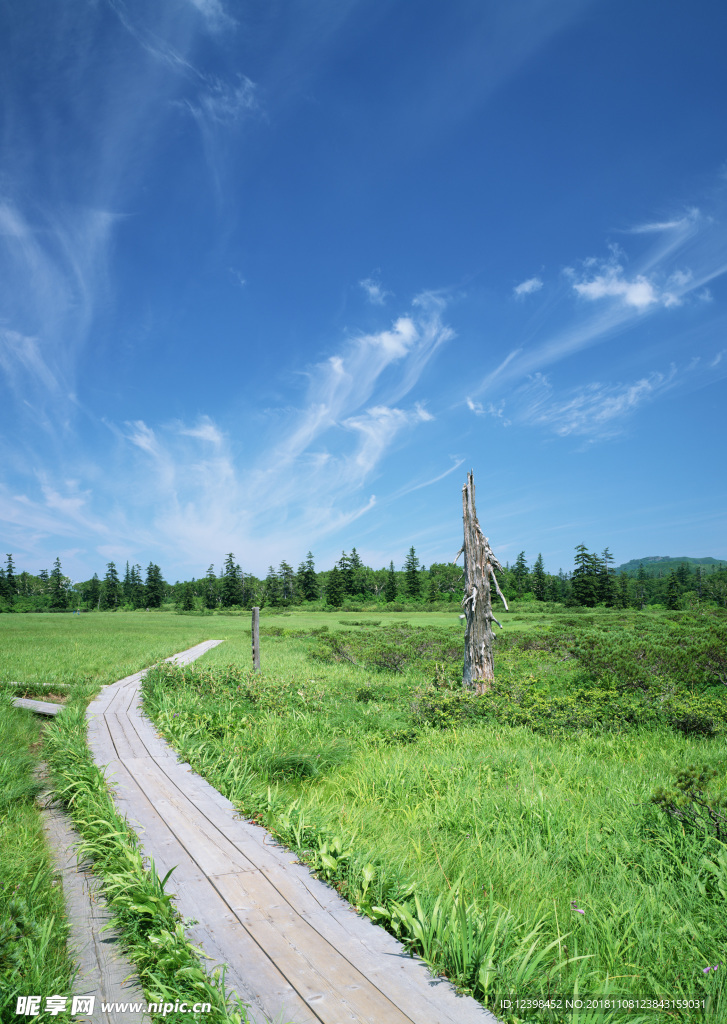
(40, 707)
(204, 843)
(324, 978)
(251, 972)
(405, 980)
(103, 970)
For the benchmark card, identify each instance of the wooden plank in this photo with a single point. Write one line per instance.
(251, 971)
(404, 979)
(40, 707)
(57, 687)
(99, 740)
(154, 744)
(325, 980)
(251, 840)
(103, 969)
(205, 844)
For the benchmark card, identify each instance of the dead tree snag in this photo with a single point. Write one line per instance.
(479, 568)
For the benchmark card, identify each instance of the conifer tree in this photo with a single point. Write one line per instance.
(185, 602)
(520, 574)
(641, 586)
(11, 586)
(273, 587)
(93, 592)
(672, 591)
(357, 573)
(623, 582)
(136, 587)
(412, 578)
(605, 588)
(231, 589)
(210, 589)
(287, 582)
(58, 595)
(346, 571)
(334, 588)
(111, 590)
(538, 579)
(583, 581)
(43, 577)
(390, 587)
(154, 586)
(307, 579)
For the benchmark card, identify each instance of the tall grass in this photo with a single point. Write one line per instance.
(514, 862)
(33, 926)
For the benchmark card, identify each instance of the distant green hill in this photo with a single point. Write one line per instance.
(661, 565)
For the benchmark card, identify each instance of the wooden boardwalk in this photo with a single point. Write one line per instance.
(296, 952)
(103, 969)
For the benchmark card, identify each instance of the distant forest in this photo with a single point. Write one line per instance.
(685, 583)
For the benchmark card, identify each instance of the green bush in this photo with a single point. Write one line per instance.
(690, 801)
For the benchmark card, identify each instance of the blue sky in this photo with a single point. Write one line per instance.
(274, 276)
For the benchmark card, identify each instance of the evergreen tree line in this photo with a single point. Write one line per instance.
(592, 582)
(53, 591)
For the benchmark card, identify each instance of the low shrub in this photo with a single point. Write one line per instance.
(690, 801)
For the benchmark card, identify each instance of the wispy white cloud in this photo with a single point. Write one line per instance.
(225, 103)
(533, 284)
(489, 409)
(656, 227)
(598, 410)
(609, 282)
(615, 293)
(391, 361)
(375, 292)
(199, 493)
(214, 14)
(20, 359)
(54, 275)
(143, 437)
(204, 431)
(377, 429)
(456, 463)
(70, 505)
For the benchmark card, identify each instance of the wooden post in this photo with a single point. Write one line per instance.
(479, 568)
(256, 639)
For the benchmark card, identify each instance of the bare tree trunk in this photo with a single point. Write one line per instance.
(479, 568)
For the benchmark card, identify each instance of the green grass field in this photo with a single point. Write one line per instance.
(67, 657)
(520, 860)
